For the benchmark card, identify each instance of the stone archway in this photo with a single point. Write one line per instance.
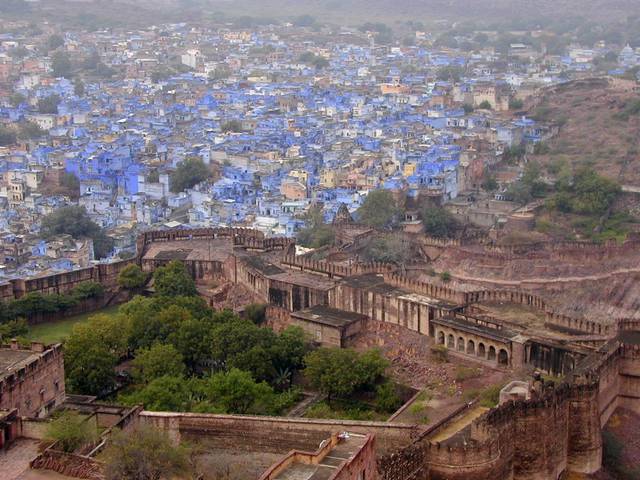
(440, 337)
(451, 341)
(471, 347)
(461, 343)
(503, 357)
(492, 353)
(481, 350)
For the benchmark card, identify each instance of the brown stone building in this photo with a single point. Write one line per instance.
(328, 326)
(31, 381)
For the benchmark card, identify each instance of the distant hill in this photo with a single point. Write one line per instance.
(343, 11)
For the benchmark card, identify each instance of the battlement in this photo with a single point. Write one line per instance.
(428, 289)
(333, 270)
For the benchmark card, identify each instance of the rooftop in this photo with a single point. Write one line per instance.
(11, 360)
(328, 316)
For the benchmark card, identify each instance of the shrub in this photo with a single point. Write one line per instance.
(440, 352)
(445, 277)
(387, 399)
(466, 373)
(70, 431)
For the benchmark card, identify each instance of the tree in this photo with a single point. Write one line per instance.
(515, 104)
(236, 391)
(71, 183)
(379, 209)
(157, 361)
(89, 369)
(489, 183)
(234, 126)
(193, 340)
(70, 431)
(450, 73)
(340, 372)
(92, 352)
(145, 331)
(190, 172)
(8, 136)
(74, 221)
(594, 194)
(30, 131)
(61, 65)
(221, 72)
(78, 88)
(387, 399)
(49, 104)
(132, 278)
(388, 249)
(317, 234)
(55, 41)
(255, 312)
(16, 99)
(438, 222)
(245, 346)
(174, 280)
(144, 454)
(163, 394)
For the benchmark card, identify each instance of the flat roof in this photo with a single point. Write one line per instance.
(469, 327)
(304, 279)
(216, 249)
(374, 282)
(328, 316)
(11, 360)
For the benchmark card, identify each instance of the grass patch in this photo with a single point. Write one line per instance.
(467, 373)
(339, 410)
(54, 332)
(487, 397)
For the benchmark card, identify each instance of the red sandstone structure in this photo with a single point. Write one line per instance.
(554, 429)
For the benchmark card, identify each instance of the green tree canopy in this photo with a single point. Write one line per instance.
(340, 372)
(379, 209)
(8, 136)
(438, 222)
(157, 361)
(236, 391)
(30, 131)
(190, 172)
(317, 233)
(387, 248)
(49, 104)
(132, 277)
(174, 280)
(92, 352)
(61, 65)
(54, 41)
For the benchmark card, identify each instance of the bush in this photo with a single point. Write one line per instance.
(445, 277)
(466, 373)
(440, 352)
(387, 399)
(70, 431)
(88, 290)
(132, 277)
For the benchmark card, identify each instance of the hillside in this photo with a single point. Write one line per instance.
(600, 127)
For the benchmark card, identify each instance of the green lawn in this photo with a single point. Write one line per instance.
(54, 332)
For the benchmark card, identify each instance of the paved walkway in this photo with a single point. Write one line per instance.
(15, 460)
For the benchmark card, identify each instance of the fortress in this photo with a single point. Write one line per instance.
(553, 429)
